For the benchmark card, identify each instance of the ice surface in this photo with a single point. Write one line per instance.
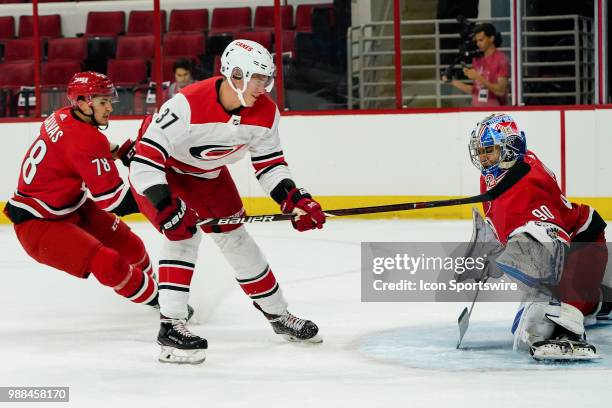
(60, 331)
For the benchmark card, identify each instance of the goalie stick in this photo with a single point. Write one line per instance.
(514, 175)
(464, 318)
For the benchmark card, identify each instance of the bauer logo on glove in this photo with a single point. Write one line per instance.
(308, 213)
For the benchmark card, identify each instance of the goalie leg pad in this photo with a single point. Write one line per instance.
(532, 263)
(537, 321)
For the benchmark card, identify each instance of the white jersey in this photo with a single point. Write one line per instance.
(192, 134)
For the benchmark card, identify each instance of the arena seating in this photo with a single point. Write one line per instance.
(67, 49)
(122, 43)
(49, 26)
(105, 23)
(189, 20)
(143, 22)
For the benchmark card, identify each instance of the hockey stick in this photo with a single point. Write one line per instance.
(351, 211)
(514, 175)
(464, 317)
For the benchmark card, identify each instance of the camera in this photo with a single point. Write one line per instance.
(467, 49)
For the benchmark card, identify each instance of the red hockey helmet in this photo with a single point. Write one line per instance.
(89, 84)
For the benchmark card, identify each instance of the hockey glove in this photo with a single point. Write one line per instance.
(177, 221)
(308, 212)
(125, 152)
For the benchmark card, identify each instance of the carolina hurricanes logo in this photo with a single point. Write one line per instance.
(490, 181)
(213, 152)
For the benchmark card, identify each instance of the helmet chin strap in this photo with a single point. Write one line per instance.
(92, 117)
(240, 93)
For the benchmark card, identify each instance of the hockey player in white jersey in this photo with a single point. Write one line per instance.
(180, 176)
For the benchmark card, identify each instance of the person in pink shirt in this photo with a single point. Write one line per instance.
(489, 72)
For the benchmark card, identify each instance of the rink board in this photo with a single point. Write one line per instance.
(353, 160)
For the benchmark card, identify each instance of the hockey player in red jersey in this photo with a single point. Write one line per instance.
(180, 175)
(56, 222)
(554, 247)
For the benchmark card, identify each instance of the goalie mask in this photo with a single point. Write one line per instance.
(243, 58)
(496, 144)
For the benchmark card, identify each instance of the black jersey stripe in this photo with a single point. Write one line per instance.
(148, 163)
(267, 156)
(267, 169)
(176, 262)
(153, 143)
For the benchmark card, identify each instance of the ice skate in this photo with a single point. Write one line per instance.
(292, 328)
(178, 344)
(564, 347)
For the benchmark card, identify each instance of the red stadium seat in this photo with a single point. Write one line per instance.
(264, 17)
(303, 16)
(217, 66)
(105, 23)
(56, 74)
(262, 37)
(16, 74)
(289, 42)
(67, 49)
(184, 45)
(136, 46)
(49, 26)
(7, 27)
(127, 72)
(189, 20)
(142, 22)
(230, 20)
(19, 49)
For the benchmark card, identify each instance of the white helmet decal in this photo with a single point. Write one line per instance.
(249, 57)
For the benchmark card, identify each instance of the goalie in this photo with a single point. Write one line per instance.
(554, 248)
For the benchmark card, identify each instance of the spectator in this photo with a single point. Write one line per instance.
(489, 72)
(183, 76)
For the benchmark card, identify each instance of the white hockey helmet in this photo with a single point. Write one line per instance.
(243, 58)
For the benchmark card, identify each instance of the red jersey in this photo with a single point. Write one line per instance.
(68, 158)
(535, 197)
(492, 68)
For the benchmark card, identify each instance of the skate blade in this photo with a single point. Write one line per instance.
(565, 358)
(578, 355)
(314, 340)
(177, 356)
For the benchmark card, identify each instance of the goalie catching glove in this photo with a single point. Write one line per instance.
(308, 212)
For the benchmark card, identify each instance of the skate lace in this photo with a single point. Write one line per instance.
(179, 326)
(294, 323)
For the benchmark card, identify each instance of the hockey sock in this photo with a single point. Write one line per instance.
(251, 269)
(113, 270)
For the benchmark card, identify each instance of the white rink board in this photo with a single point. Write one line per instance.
(391, 154)
(588, 152)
